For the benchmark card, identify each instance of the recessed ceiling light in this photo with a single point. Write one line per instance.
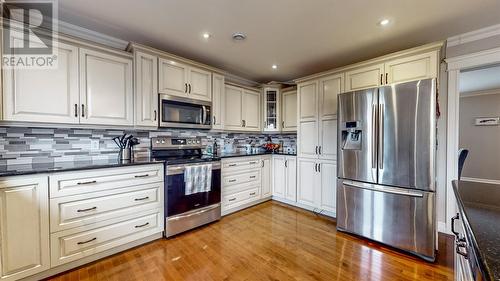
(238, 36)
(206, 35)
(384, 22)
(274, 66)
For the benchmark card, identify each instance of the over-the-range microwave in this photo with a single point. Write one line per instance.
(176, 112)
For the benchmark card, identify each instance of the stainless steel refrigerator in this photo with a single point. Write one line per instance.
(386, 165)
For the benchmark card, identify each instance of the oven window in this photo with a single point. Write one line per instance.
(179, 112)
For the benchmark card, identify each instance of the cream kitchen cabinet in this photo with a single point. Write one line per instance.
(289, 110)
(397, 70)
(146, 89)
(44, 95)
(365, 77)
(106, 92)
(182, 80)
(24, 227)
(317, 184)
(285, 177)
(218, 101)
(266, 176)
(242, 109)
(271, 109)
(317, 137)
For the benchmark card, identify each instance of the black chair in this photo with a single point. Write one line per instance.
(462, 155)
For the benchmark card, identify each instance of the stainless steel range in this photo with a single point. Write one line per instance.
(192, 183)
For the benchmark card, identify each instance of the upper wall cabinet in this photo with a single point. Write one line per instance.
(289, 110)
(44, 95)
(271, 98)
(218, 101)
(146, 89)
(106, 92)
(184, 81)
(408, 68)
(251, 110)
(242, 109)
(308, 101)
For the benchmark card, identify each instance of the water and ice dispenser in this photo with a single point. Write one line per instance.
(352, 135)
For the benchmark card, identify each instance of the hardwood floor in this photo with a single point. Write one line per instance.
(270, 241)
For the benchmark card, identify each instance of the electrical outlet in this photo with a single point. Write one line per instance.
(94, 144)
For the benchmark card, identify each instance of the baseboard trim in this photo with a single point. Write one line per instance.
(306, 207)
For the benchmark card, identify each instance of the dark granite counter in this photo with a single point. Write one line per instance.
(479, 206)
(38, 168)
(245, 154)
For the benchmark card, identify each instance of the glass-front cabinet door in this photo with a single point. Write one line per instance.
(271, 110)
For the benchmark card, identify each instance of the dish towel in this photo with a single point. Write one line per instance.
(197, 179)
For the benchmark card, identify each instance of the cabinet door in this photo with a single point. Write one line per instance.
(291, 179)
(279, 176)
(271, 110)
(308, 139)
(24, 227)
(218, 99)
(308, 186)
(105, 89)
(328, 174)
(329, 89)
(308, 101)
(328, 139)
(266, 176)
(146, 90)
(172, 78)
(251, 110)
(200, 84)
(44, 95)
(289, 111)
(412, 68)
(364, 78)
(233, 115)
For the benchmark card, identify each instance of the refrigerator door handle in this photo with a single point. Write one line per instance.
(381, 137)
(385, 189)
(374, 140)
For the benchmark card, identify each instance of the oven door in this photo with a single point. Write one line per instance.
(184, 113)
(176, 202)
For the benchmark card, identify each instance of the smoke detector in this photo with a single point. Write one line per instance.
(238, 36)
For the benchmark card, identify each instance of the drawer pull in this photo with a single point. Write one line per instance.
(232, 165)
(231, 180)
(253, 193)
(252, 177)
(141, 199)
(232, 199)
(86, 210)
(141, 176)
(142, 225)
(86, 182)
(88, 241)
(253, 162)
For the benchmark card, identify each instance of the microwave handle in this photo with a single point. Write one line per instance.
(204, 114)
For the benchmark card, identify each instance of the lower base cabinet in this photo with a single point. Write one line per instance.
(24, 227)
(317, 184)
(285, 177)
(117, 208)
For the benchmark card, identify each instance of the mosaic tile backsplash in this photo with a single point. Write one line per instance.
(21, 145)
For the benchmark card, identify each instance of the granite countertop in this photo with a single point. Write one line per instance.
(38, 168)
(243, 154)
(480, 209)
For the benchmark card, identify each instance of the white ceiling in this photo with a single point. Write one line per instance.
(482, 79)
(300, 36)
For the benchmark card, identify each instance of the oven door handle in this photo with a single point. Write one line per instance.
(190, 214)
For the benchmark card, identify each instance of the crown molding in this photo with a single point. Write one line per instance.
(90, 35)
(470, 94)
(472, 36)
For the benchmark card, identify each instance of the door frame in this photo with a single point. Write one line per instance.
(455, 66)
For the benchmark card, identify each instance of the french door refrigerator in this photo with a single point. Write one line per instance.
(386, 155)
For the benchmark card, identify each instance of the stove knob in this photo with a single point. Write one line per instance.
(198, 141)
(157, 141)
(162, 141)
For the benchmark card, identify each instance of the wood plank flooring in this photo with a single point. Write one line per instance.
(270, 241)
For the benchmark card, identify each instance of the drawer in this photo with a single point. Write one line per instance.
(74, 244)
(244, 163)
(78, 210)
(234, 179)
(78, 182)
(240, 198)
